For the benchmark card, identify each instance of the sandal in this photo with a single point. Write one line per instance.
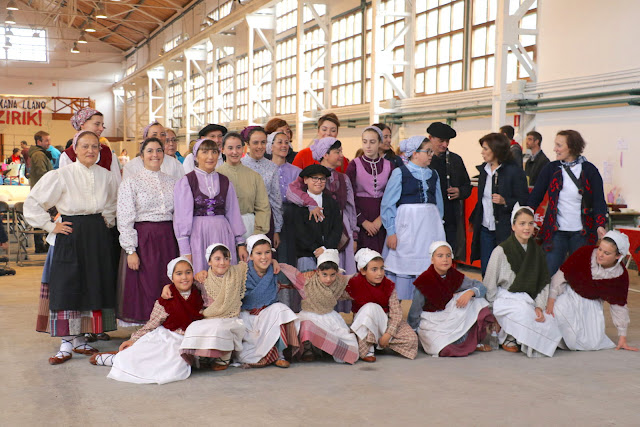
(103, 359)
(281, 363)
(484, 348)
(58, 360)
(219, 364)
(103, 337)
(307, 356)
(85, 349)
(510, 345)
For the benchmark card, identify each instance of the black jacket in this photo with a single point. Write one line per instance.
(310, 235)
(512, 185)
(458, 177)
(533, 167)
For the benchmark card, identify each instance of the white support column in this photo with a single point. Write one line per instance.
(142, 106)
(263, 25)
(157, 103)
(508, 38)
(119, 117)
(195, 59)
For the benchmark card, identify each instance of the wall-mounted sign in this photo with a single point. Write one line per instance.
(22, 111)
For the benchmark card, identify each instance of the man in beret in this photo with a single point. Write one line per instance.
(454, 183)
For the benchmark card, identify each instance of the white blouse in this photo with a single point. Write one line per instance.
(147, 196)
(115, 167)
(74, 190)
(170, 165)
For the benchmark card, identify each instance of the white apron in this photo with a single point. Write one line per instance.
(441, 328)
(214, 334)
(370, 318)
(333, 324)
(249, 221)
(581, 322)
(262, 331)
(154, 358)
(515, 312)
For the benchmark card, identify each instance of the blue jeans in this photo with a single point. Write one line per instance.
(487, 245)
(564, 243)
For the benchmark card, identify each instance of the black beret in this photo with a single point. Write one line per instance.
(211, 128)
(441, 130)
(314, 170)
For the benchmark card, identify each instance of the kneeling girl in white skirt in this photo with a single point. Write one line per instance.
(517, 281)
(449, 311)
(152, 354)
(590, 276)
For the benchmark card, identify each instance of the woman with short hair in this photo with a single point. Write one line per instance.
(328, 126)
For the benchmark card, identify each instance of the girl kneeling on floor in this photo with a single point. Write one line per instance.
(377, 312)
(152, 354)
(210, 341)
(321, 327)
(270, 327)
(444, 312)
(517, 281)
(592, 275)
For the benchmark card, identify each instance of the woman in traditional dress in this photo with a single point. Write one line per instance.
(322, 329)
(206, 209)
(278, 125)
(255, 160)
(377, 314)
(577, 211)
(328, 127)
(449, 311)
(369, 175)
(145, 222)
(250, 189)
(170, 165)
(278, 146)
(270, 327)
(412, 211)
(590, 276)
(80, 296)
(152, 353)
(501, 185)
(517, 282)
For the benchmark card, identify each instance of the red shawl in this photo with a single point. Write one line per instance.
(364, 292)
(106, 156)
(182, 311)
(577, 271)
(437, 290)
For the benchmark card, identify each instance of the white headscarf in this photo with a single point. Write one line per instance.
(252, 240)
(329, 255)
(172, 265)
(622, 242)
(212, 247)
(435, 245)
(516, 208)
(364, 256)
(409, 146)
(272, 137)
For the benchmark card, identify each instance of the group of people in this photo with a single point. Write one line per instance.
(263, 247)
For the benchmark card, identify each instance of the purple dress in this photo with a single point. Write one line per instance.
(369, 179)
(206, 212)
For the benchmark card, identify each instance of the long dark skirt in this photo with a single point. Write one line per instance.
(286, 254)
(369, 209)
(156, 247)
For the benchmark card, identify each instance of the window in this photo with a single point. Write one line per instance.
(286, 52)
(221, 11)
(24, 44)
(170, 44)
(198, 99)
(346, 61)
(242, 80)
(262, 81)
(439, 46)
(287, 14)
(314, 47)
(225, 90)
(483, 40)
(210, 113)
(130, 70)
(175, 98)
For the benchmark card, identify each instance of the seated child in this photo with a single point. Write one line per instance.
(447, 317)
(322, 328)
(377, 313)
(152, 354)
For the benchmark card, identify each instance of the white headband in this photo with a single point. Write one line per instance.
(172, 265)
(435, 245)
(622, 242)
(516, 208)
(364, 256)
(252, 240)
(329, 255)
(212, 247)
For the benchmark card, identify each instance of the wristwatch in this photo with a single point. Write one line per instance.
(130, 252)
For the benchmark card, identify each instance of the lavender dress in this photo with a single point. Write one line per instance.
(206, 211)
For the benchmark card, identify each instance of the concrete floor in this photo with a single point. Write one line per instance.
(498, 388)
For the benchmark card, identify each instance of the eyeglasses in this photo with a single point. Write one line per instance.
(429, 151)
(318, 178)
(172, 139)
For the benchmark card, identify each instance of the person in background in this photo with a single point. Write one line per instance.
(278, 125)
(171, 146)
(212, 132)
(124, 157)
(501, 185)
(537, 160)
(40, 165)
(24, 146)
(170, 165)
(386, 150)
(15, 157)
(516, 149)
(454, 184)
(577, 211)
(328, 126)
(55, 155)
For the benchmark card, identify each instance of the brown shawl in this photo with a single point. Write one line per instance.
(226, 292)
(320, 298)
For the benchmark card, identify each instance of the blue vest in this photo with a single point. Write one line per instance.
(412, 191)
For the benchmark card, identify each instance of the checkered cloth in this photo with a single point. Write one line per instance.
(327, 342)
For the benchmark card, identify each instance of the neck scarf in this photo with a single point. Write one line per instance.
(577, 271)
(438, 290)
(181, 311)
(226, 292)
(320, 298)
(364, 292)
(579, 160)
(261, 291)
(532, 274)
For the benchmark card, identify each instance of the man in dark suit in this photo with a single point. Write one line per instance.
(537, 160)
